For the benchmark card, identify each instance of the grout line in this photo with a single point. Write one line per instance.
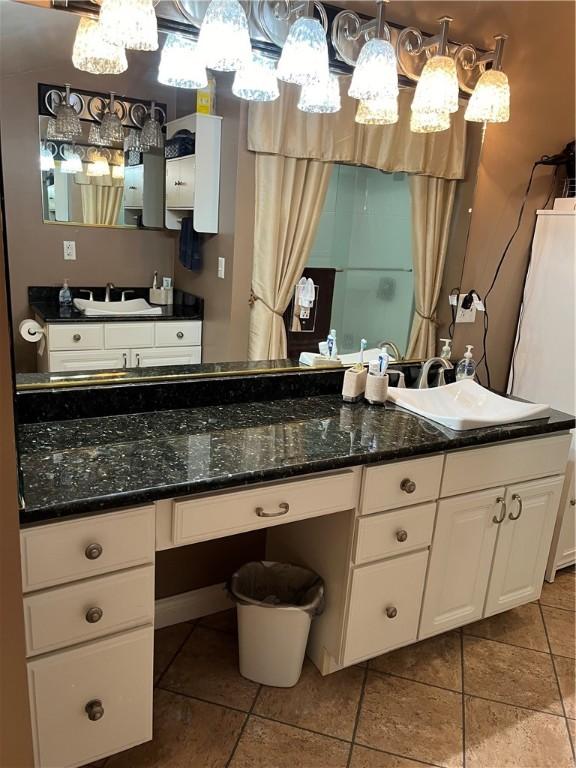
(243, 728)
(397, 754)
(173, 659)
(412, 680)
(557, 682)
(463, 702)
(503, 642)
(557, 607)
(357, 718)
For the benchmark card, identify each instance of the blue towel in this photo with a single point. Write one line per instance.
(190, 250)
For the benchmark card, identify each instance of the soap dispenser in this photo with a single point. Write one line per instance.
(64, 296)
(446, 352)
(466, 368)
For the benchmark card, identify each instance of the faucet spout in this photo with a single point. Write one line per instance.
(423, 382)
(393, 348)
(109, 287)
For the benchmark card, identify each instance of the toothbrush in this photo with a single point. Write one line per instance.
(363, 345)
(383, 360)
(330, 341)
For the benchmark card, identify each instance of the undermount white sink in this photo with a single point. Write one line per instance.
(465, 405)
(130, 307)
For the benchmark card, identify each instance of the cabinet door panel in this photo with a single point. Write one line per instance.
(88, 361)
(460, 561)
(146, 358)
(523, 544)
(172, 188)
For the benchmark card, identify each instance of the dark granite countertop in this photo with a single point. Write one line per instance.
(86, 465)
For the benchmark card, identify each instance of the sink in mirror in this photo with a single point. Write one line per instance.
(92, 308)
(465, 405)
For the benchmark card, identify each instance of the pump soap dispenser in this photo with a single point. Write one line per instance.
(466, 368)
(446, 349)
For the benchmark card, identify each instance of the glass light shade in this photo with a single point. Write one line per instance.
(256, 81)
(130, 24)
(429, 122)
(437, 89)
(377, 111)
(375, 75)
(98, 167)
(117, 171)
(132, 141)
(46, 160)
(111, 128)
(71, 164)
(224, 40)
(67, 123)
(94, 135)
(304, 58)
(180, 64)
(321, 98)
(91, 53)
(490, 100)
(151, 137)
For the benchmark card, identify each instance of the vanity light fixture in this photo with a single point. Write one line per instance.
(98, 166)
(132, 141)
(224, 40)
(111, 129)
(118, 171)
(490, 100)
(67, 123)
(91, 53)
(151, 136)
(94, 135)
(377, 112)
(180, 64)
(71, 163)
(46, 158)
(429, 122)
(375, 76)
(321, 98)
(129, 24)
(256, 80)
(304, 58)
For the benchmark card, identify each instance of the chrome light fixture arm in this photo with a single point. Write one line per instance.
(349, 27)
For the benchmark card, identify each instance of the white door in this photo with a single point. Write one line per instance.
(88, 360)
(146, 358)
(460, 559)
(523, 544)
(172, 183)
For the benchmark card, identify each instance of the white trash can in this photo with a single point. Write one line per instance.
(276, 605)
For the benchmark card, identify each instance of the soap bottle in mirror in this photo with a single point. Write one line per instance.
(65, 297)
(466, 368)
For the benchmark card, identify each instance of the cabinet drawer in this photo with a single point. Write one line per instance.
(93, 608)
(472, 470)
(121, 335)
(392, 533)
(117, 673)
(173, 334)
(400, 484)
(60, 552)
(384, 607)
(88, 360)
(79, 336)
(217, 515)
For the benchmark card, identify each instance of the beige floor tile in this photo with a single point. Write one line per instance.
(513, 675)
(207, 667)
(363, 757)
(501, 736)
(521, 626)
(561, 628)
(223, 620)
(562, 592)
(265, 744)
(411, 719)
(572, 728)
(187, 733)
(167, 642)
(436, 661)
(566, 671)
(324, 704)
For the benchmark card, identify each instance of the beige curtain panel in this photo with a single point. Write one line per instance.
(432, 203)
(101, 198)
(280, 128)
(290, 195)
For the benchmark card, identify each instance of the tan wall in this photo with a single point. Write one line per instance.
(124, 257)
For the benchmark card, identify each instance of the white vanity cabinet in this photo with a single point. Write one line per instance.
(106, 345)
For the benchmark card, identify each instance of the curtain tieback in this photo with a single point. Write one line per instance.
(253, 299)
(430, 318)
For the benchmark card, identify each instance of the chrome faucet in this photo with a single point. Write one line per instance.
(109, 287)
(393, 348)
(423, 382)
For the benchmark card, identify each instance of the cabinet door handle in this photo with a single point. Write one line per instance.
(401, 535)
(125, 359)
(391, 612)
(518, 498)
(496, 519)
(179, 335)
(93, 551)
(283, 509)
(573, 502)
(94, 710)
(94, 615)
(76, 337)
(407, 485)
(137, 360)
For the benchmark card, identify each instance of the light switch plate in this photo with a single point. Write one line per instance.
(69, 250)
(465, 315)
(221, 266)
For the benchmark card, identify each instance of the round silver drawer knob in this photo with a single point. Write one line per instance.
(93, 615)
(93, 551)
(94, 710)
(407, 485)
(391, 612)
(401, 535)
(76, 337)
(179, 335)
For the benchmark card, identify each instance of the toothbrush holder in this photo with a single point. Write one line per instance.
(354, 385)
(161, 296)
(376, 389)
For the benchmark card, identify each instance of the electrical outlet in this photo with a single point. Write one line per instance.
(221, 266)
(465, 315)
(69, 250)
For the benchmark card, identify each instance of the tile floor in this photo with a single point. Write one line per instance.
(499, 694)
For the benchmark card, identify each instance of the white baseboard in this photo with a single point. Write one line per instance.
(191, 605)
